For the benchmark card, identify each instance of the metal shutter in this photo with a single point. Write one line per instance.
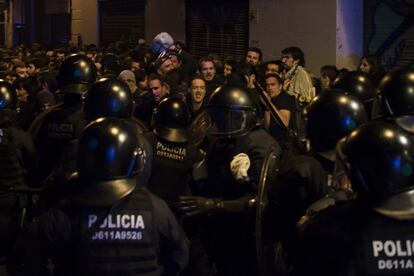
(60, 25)
(121, 20)
(218, 27)
(389, 31)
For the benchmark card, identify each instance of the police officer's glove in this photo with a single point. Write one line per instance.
(196, 205)
(239, 167)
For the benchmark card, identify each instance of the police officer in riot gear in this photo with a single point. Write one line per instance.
(372, 234)
(55, 129)
(305, 179)
(105, 98)
(359, 84)
(234, 160)
(173, 166)
(331, 116)
(17, 153)
(110, 224)
(17, 164)
(397, 98)
(110, 97)
(174, 158)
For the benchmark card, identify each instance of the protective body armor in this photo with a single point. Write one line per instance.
(122, 243)
(384, 246)
(352, 239)
(57, 130)
(173, 166)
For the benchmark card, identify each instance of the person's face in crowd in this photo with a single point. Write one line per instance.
(364, 66)
(135, 65)
(11, 78)
(175, 62)
(198, 90)
(272, 68)
(325, 82)
(130, 82)
(227, 69)
(157, 90)
(273, 87)
(50, 53)
(252, 58)
(208, 70)
(31, 69)
(22, 95)
(60, 56)
(21, 72)
(288, 61)
(92, 55)
(142, 85)
(98, 66)
(165, 67)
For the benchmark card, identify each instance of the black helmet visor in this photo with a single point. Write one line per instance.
(227, 122)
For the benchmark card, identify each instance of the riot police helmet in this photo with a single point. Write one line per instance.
(397, 91)
(232, 111)
(108, 97)
(358, 84)
(171, 119)
(110, 157)
(76, 73)
(8, 96)
(330, 116)
(378, 158)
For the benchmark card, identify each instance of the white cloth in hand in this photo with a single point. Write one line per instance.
(239, 167)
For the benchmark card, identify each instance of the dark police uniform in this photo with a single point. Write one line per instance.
(17, 163)
(17, 157)
(227, 231)
(302, 180)
(305, 179)
(228, 236)
(138, 235)
(56, 128)
(54, 132)
(172, 166)
(108, 224)
(371, 235)
(352, 239)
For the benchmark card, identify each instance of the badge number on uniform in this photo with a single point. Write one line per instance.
(394, 256)
(120, 227)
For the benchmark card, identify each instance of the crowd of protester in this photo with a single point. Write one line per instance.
(277, 104)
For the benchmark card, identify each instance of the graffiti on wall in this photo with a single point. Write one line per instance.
(389, 31)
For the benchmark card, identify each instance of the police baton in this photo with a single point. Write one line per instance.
(24, 189)
(269, 105)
